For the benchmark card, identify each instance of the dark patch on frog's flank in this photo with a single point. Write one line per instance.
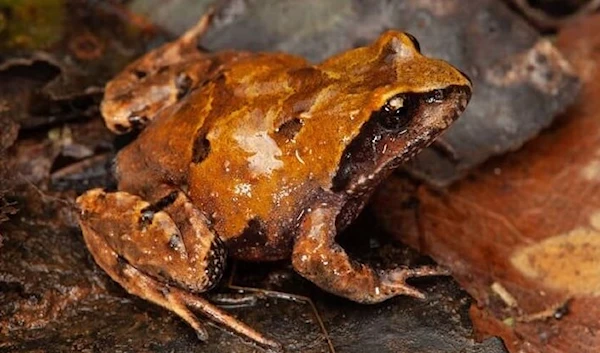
(255, 231)
(257, 243)
(147, 213)
(216, 258)
(183, 83)
(253, 243)
(290, 128)
(201, 148)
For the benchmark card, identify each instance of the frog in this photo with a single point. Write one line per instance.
(259, 156)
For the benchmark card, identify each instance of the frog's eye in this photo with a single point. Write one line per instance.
(414, 41)
(395, 114)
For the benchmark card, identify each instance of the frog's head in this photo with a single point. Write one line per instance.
(407, 100)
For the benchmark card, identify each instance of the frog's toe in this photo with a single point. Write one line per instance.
(394, 281)
(403, 273)
(395, 288)
(226, 320)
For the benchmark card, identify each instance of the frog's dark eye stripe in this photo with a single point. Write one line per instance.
(414, 41)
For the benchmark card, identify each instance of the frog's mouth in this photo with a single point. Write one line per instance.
(407, 124)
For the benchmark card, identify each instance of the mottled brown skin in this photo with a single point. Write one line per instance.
(263, 155)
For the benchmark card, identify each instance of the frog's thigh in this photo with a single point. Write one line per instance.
(168, 240)
(147, 251)
(317, 257)
(155, 81)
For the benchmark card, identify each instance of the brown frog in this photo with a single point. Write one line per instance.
(259, 156)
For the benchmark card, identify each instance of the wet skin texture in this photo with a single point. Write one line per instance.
(259, 156)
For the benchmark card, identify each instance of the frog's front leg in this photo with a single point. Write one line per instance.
(317, 257)
(162, 252)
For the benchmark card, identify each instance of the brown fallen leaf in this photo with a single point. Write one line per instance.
(529, 221)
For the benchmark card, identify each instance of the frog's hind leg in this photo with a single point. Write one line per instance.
(157, 80)
(162, 252)
(317, 257)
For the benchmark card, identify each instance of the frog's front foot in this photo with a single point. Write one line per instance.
(320, 259)
(164, 252)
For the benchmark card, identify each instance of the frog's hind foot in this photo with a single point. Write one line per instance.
(163, 252)
(143, 286)
(179, 301)
(228, 321)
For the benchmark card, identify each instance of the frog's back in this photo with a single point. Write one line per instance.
(252, 172)
(231, 145)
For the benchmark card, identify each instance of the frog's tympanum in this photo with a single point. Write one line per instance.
(259, 156)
